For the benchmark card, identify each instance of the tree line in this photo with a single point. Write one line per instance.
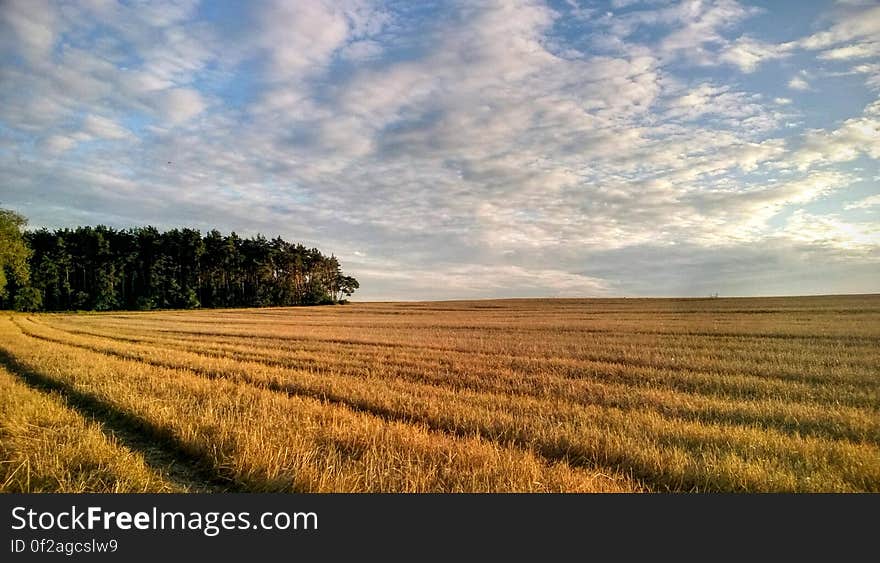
(101, 269)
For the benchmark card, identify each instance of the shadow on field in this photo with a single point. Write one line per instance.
(160, 449)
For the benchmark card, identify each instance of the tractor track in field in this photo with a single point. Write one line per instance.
(161, 451)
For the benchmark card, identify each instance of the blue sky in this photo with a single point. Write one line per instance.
(466, 149)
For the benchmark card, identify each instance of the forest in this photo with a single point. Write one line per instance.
(102, 269)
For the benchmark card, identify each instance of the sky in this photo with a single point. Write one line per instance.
(466, 149)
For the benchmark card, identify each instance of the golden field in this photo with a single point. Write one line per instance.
(604, 395)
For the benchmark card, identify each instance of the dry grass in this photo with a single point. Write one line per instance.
(774, 394)
(48, 447)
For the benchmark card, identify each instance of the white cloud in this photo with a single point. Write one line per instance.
(104, 127)
(709, 99)
(853, 138)
(701, 23)
(872, 73)
(472, 280)
(865, 203)
(141, 82)
(857, 23)
(363, 50)
(301, 38)
(164, 13)
(725, 216)
(748, 53)
(831, 231)
(28, 26)
(854, 51)
(59, 143)
(179, 105)
(798, 83)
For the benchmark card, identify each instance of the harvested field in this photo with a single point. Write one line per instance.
(752, 394)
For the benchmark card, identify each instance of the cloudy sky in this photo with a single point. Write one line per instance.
(461, 149)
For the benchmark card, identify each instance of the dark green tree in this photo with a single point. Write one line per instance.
(14, 253)
(28, 299)
(101, 268)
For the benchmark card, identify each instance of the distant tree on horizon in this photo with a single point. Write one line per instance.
(102, 269)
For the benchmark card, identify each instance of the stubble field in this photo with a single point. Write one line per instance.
(770, 394)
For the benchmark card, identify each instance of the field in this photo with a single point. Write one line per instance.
(617, 395)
